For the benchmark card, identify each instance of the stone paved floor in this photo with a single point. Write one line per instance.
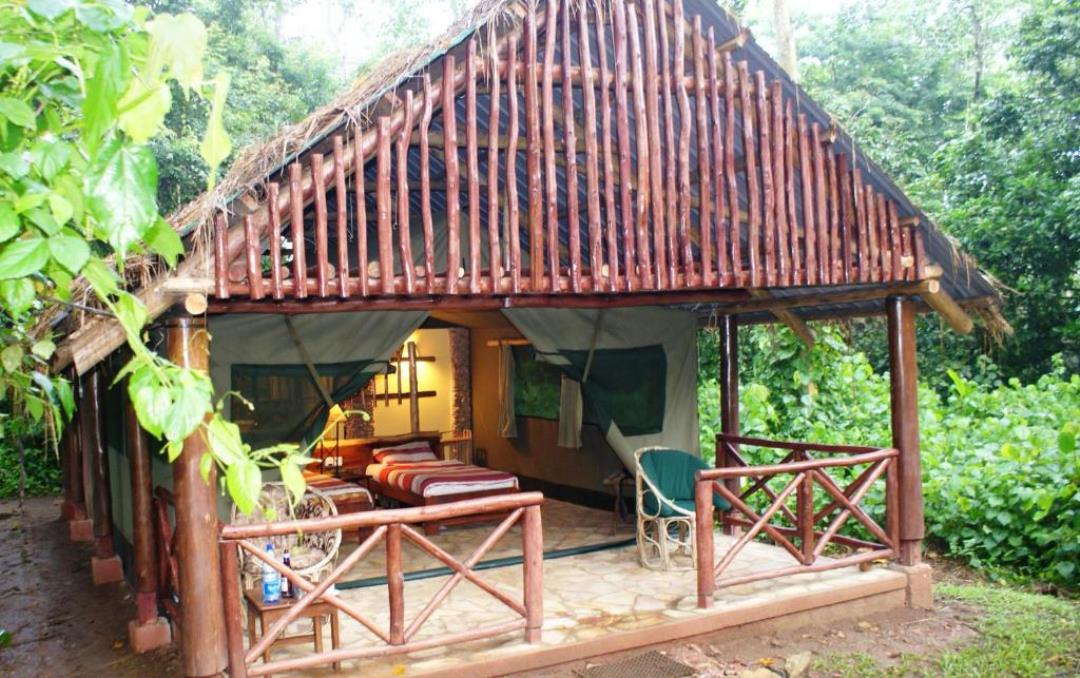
(585, 596)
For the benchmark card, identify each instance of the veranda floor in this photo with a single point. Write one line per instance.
(601, 600)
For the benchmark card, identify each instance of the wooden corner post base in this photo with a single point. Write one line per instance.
(903, 374)
(202, 618)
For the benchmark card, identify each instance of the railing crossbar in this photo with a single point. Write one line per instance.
(314, 593)
(759, 524)
(745, 509)
(462, 571)
(852, 508)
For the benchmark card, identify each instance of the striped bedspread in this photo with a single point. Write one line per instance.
(340, 491)
(441, 478)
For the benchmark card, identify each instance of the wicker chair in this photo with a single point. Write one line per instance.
(313, 554)
(665, 507)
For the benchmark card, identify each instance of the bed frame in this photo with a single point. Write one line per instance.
(357, 453)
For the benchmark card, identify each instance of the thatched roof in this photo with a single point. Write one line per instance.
(375, 93)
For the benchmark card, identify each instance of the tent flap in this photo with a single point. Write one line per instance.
(642, 381)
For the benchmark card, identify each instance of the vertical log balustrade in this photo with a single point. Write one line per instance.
(671, 203)
(105, 565)
(199, 566)
(903, 375)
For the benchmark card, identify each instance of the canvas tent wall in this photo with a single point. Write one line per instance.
(346, 349)
(639, 367)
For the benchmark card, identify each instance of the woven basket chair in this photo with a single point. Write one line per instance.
(312, 554)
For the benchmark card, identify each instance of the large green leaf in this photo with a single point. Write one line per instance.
(293, 479)
(149, 398)
(9, 223)
(18, 112)
(121, 186)
(11, 357)
(18, 295)
(143, 108)
(102, 93)
(101, 277)
(130, 312)
(50, 9)
(244, 482)
(161, 238)
(23, 257)
(70, 250)
(178, 44)
(215, 146)
(224, 439)
(189, 407)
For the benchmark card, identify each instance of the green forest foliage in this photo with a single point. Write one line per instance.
(1001, 470)
(973, 108)
(273, 84)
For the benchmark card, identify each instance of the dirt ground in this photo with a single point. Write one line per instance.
(883, 636)
(62, 625)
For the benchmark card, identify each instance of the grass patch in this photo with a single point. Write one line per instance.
(1022, 634)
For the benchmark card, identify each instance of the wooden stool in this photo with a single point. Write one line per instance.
(268, 613)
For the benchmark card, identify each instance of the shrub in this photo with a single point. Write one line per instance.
(1001, 475)
(42, 468)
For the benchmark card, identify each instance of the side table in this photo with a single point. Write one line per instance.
(268, 613)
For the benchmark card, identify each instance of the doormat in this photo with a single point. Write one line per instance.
(651, 664)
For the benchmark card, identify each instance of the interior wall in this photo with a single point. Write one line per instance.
(534, 452)
(436, 413)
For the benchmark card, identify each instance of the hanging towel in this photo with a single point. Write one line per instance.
(507, 415)
(570, 413)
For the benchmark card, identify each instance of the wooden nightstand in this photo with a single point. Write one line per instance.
(268, 613)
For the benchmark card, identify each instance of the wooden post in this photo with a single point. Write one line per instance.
(532, 541)
(147, 631)
(703, 524)
(729, 392)
(203, 643)
(79, 527)
(105, 565)
(142, 519)
(903, 373)
(395, 584)
(230, 582)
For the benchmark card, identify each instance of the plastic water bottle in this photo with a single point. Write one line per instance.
(271, 580)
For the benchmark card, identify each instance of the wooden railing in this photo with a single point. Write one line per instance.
(168, 584)
(800, 536)
(655, 137)
(390, 526)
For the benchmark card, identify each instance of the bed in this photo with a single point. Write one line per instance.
(410, 470)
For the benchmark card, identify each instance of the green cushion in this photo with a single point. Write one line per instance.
(672, 472)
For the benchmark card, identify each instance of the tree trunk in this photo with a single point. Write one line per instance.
(785, 39)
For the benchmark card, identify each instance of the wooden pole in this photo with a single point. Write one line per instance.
(395, 584)
(230, 574)
(903, 373)
(79, 527)
(142, 518)
(202, 618)
(73, 507)
(532, 537)
(703, 525)
(729, 392)
(104, 565)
